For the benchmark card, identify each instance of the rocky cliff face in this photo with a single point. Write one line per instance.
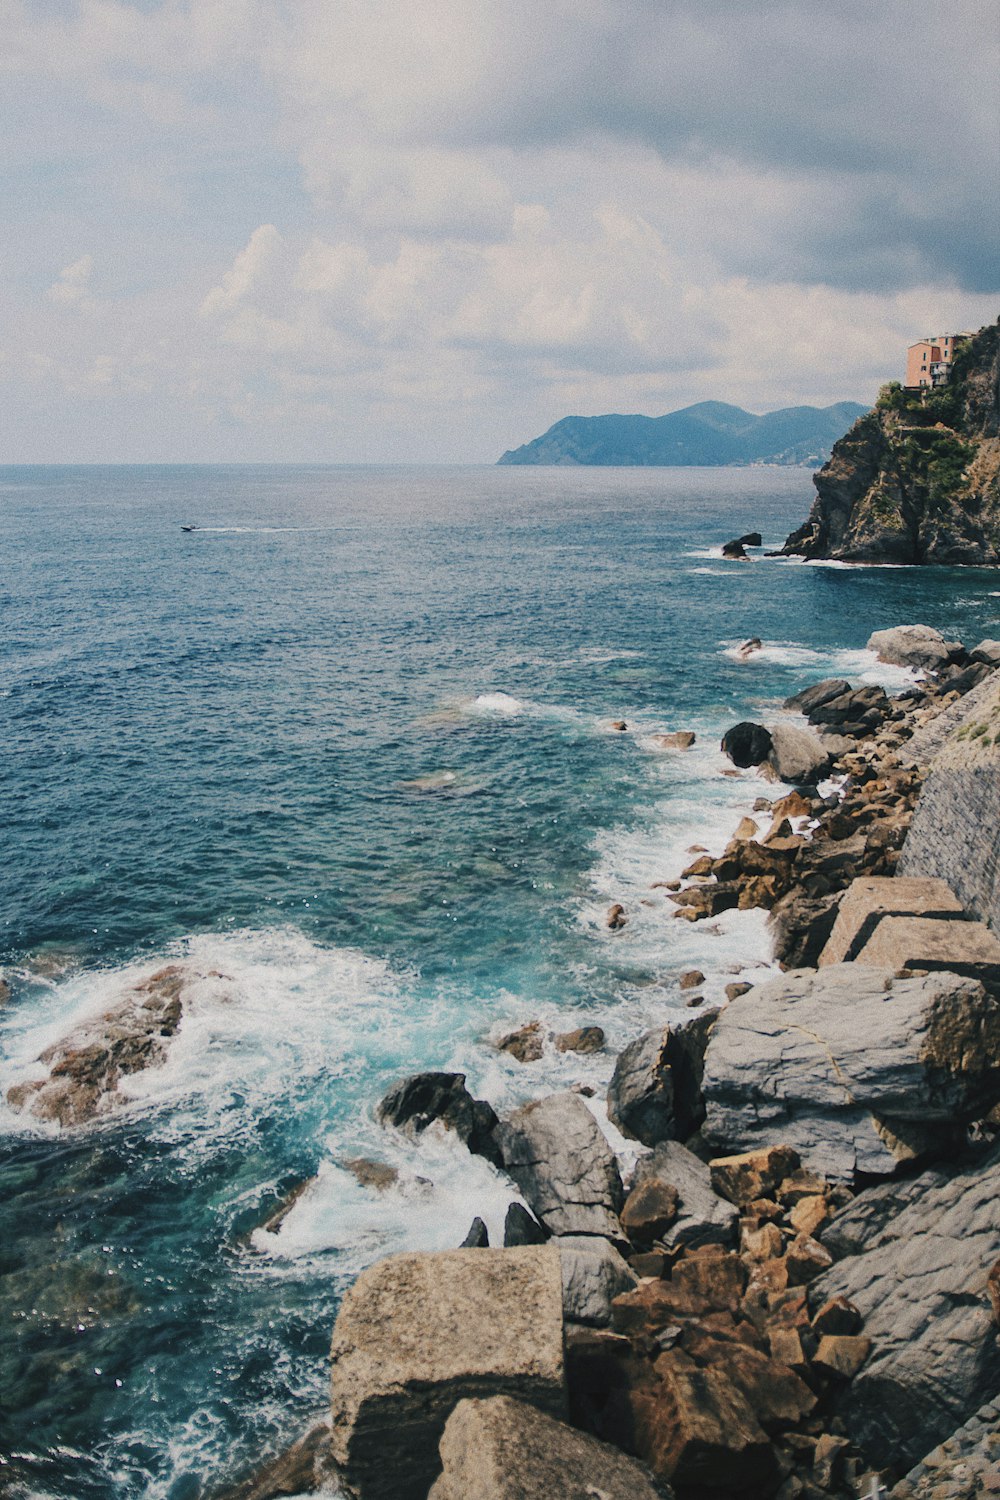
(916, 481)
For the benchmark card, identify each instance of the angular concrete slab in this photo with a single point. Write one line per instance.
(416, 1334)
(867, 901)
(504, 1450)
(966, 948)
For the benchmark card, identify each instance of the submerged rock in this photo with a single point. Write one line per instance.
(418, 1101)
(87, 1067)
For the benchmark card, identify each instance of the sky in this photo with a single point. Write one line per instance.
(390, 231)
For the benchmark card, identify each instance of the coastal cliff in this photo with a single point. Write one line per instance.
(916, 480)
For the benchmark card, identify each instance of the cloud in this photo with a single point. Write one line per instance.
(472, 219)
(72, 287)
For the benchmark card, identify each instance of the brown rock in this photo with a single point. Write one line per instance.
(752, 1174)
(678, 739)
(526, 1044)
(759, 891)
(4, 992)
(763, 1243)
(87, 1066)
(838, 1316)
(619, 725)
(704, 865)
(933, 944)
(373, 1174)
(697, 1430)
(806, 1258)
(651, 1263)
(584, 1039)
(649, 1211)
(800, 1184)
(785, 1345)
(828, 1459)
(777, 1396)
(691, 979)
(616, 917)
(809, 1213)
(794, 805)
(764, 1211)
(993, 1288)
(734, 991)
(746, 829)
(712, 1277)
(841, 1355)
(702, 901)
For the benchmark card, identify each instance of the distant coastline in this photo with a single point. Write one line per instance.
(708, 434)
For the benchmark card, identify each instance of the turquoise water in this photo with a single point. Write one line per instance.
(346, 751)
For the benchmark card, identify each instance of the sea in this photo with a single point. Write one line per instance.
(347, 751)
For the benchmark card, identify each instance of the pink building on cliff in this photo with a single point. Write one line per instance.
(928, 364)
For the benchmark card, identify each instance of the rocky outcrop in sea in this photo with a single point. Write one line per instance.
(917, 478)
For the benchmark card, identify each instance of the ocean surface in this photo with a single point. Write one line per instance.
(347, 751)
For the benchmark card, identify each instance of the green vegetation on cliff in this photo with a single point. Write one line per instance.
(917, 478)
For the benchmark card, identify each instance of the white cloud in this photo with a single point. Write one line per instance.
(72, 288)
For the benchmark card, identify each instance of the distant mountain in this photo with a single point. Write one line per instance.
(709, 433)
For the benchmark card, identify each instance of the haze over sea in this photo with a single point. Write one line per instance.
(347, 748)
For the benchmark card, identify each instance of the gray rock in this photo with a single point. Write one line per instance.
(519, 1228)
(563, 1166)
(478, 1237)
(818, 694)
(955, 833)
(926, 743)
(593, 1275)
(501, 1449)
(703, 1218)
(857, 1070)
(655, 1090)
(797, 755)
(987, 651)
(911, 646)
(920, 1253)
(416, 1334)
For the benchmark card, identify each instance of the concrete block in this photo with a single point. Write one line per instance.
(867, 901)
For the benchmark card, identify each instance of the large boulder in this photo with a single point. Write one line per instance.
(747, 744)
(911, 646)
(416, 1334)
(501, 1449)
(867, 900)
(955, 833)
(86, 1069)
(563, 1166)
(703, 1218)
(917, 1256)
(930, 943)
(797, 755)
(819, 693)
(418, 1101)
(655, 1090)
(856, 1069)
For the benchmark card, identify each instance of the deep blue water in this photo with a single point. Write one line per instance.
(346, 752)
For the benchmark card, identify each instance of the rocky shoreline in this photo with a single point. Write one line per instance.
(797, 1288)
